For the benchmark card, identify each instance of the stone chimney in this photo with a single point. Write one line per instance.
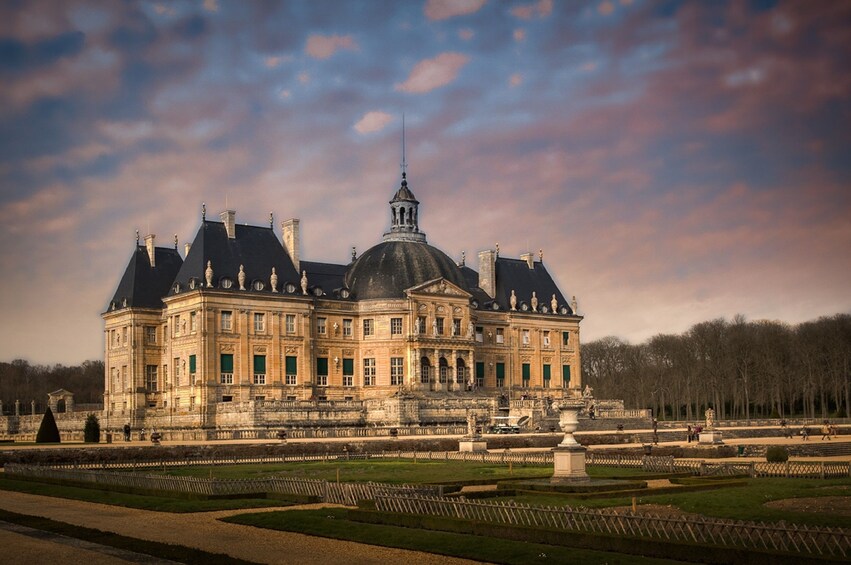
(487, 272)
(290, 238)
(229, 220)
(149, 245)
(186, 248)
(529, 258)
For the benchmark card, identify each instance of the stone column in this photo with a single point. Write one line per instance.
(32, 405)
(17, 408)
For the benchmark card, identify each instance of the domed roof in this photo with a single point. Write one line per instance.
(389, 268)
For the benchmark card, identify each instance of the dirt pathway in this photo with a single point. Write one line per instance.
(202, 530)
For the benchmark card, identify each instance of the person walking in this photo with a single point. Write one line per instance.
(825, 430)
(690, 433)
(805, 433)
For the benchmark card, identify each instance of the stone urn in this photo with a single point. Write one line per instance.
(569, 420)
(569, 456)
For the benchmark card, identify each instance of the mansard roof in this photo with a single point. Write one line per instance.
(256, 248)
(327, 276)
(515, 274)
(143, 286)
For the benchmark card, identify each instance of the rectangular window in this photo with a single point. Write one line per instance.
(397, 371)
(526, 338)
(439, 325)
(322, 371)
(527, 374)
(260, 369)
(368, 372)
(112, 334)
(500, 374)
(151, 378)
(565, 338)
(547, 376)
(290, 323)
(546, 339)
(124, 384)
(192, 365)
(259, 323)
(321, 326)
(226, 361)
(348, 372)
(193, 322)
(176, 369)
(456, 326)
(368, 327)
(151, 335)
(192, 403)
(347, 328)
(480, 334)
(421, 324)
(124, 336)
(290, 370)
(480, 373)
(500, 335)
(565, 376)
(227, 320)
(175, 329)
(395, 326)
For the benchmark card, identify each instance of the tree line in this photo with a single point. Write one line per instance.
(742, 369)
(19, 380)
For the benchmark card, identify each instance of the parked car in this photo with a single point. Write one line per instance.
(506, 429)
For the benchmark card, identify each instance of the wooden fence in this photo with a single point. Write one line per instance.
(339, 493)
(834, 542)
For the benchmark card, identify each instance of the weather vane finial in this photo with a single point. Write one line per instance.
(404, 163)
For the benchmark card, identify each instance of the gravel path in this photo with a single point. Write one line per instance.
(204, 531)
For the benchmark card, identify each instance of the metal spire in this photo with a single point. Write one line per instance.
(404, 163)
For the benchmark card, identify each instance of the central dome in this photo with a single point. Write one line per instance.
(388, 269)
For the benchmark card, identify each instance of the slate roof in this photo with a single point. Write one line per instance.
(143, 286)
(257, 248)
(327, 276)
(515, 274)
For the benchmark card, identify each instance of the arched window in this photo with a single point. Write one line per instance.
(402, 216)
(460, 371)
(444, 370)
(425, 370)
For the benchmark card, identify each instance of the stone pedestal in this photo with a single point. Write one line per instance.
(569, 456)
(712, 437)
(473, 445)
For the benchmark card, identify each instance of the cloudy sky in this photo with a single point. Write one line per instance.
(676, 161)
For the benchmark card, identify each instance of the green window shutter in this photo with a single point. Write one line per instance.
(292, 365)
(500, 370)
(565, 337)
(227, 362)
(480, 369)
(527, 373)
(191, 364)
(348, 366)
(260, 364)
(565, 374)
(546, 372)
(322, 366)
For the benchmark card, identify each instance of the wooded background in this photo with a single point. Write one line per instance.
(741, 369)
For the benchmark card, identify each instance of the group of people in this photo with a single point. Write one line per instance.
(828, 431)
(693, 432)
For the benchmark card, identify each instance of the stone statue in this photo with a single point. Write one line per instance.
(434, 327)
(588, 392)
(304, 282)
(273, 280)
(513, 301)
(710, 418)
(534, 302)
(573, 305)
(452, 331)
(471, 425)
(417, 328)
(208, 274)
(554, 304)
(470, 329)
(241, 277)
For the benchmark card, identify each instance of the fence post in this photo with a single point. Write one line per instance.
(821, 475)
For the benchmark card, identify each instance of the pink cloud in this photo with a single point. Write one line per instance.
(430, 74)
(515, 80)
(606, 8)
(466, 34)
(445, 9)
(372, 122)
(541, 9)
(519, 34)
(324, 46)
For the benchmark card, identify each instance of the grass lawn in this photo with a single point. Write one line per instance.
(143, 502)
(740, 503)
(332, 523)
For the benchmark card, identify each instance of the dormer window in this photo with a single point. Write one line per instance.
(258, 285)
(226, 282)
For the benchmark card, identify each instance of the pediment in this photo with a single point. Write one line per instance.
(439, 286)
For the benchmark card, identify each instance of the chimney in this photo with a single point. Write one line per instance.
(289, 236)
(487, 272)
(529, 258)
(229, 220)
(149, 245)
(186, 248)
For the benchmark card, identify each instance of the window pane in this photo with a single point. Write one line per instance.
(322, 366)
(348, 366)
(260, 364)
(292, 365)
(192, 364)
(227, 362)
